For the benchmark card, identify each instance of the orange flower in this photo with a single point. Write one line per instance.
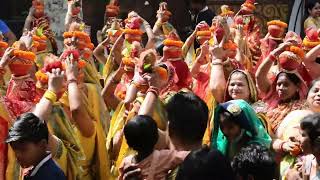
(24, 55)
(67, 35)
(298, 51)
(3, 44)
(90, 46)
(278, 23)
(42, 77)
(128, 61)
(81, 64)
(168, 42)
(133, 31)
(204, 33)
(163, 73)
(230, 46)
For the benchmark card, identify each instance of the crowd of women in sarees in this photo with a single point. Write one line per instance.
(266, 81)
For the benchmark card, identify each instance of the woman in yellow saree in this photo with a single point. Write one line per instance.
(82, 105)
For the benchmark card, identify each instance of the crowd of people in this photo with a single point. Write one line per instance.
(227, 103)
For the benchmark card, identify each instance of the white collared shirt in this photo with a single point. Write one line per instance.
(44, 160)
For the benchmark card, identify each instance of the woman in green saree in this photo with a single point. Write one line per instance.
(235, 126)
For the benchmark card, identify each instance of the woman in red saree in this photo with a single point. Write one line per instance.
(288, 90)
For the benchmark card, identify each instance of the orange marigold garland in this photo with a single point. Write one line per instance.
(278, 23)
(24, 55)
(298, 51)
(168, 42)
(3, 44)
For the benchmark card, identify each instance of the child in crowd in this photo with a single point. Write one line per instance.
(28, 137)
(141, 134)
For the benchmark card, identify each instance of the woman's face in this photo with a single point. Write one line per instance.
(315, 11)
(230, 129)
(238, 87)
(305, 144)
(313, 98)
(285, 88)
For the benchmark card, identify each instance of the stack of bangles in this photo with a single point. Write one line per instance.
(153, 90)
(272, 57)
(51, 96)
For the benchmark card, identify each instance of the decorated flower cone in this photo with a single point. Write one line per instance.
(292, 58)
(22, 62)
(204, 33)
(276, 29)
(311, 40)
(172, 52)
(132, 30)
(226, 11)
(247, 7)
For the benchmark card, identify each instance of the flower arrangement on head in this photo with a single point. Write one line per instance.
(204, 33)
(172, 46)
(312, 39)
(53, 62)
(217, 29)
(276, 29)
(114, 31)
(132, 28)
(112, 9)
(226, 11)
(40, 39)
(147, 64)
(3, 45)
(248, 7)
(291, 58)
(131, 60)
(22, 59)
(231, 47)
(81, 41)
(166, 14)
(38, 6)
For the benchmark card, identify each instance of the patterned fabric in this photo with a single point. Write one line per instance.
(20, 95)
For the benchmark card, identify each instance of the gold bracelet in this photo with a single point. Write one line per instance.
(51, 96)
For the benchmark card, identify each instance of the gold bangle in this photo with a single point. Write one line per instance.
(51, 96)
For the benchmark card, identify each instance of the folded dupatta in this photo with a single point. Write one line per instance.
(254, 127)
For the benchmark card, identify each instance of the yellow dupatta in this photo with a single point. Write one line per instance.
(69, 151)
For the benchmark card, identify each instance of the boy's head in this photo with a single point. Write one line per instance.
(141, 133)
(254, 162)
(28, 138)
(205, 164)
(188, 116)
